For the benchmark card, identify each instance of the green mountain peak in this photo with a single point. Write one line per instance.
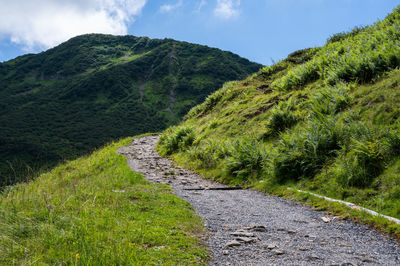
(95, 88)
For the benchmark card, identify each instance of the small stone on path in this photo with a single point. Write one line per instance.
(312, 257)
(279, 252)
(242, 233)
(271, 246)
(326, 219)
(233, 243)
(310, 236)
(247, 239)
(257, 228)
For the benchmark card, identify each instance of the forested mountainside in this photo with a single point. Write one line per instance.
(324, 119)
(95, 88)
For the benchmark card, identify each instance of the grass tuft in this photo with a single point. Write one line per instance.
(176, 139)
(246, 160)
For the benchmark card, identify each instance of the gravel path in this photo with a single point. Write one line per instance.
(249, 228)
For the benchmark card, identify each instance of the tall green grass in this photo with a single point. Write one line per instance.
(303, 152)
(209, 153)
(282, 117)
(246, 160)
(96, 211)
(358, 57)
(212, 100)
(176, 139)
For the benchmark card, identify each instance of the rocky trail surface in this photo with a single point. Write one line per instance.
(246, 227)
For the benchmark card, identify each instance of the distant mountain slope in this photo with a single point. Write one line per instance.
(325, 119)
(95, 88)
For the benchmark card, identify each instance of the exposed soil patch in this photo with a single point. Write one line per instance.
(246, 227)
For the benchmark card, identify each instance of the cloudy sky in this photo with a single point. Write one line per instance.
(261, 30)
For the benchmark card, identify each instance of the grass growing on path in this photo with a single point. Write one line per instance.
(96, 211)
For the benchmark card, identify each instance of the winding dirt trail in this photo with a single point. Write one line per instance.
(246, 227)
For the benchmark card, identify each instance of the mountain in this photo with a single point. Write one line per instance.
(92, 89)
(324, 119)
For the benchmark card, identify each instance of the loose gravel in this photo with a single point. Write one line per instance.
(247, 227)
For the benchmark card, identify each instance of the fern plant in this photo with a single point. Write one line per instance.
(246, 160)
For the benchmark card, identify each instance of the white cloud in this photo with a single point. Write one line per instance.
(227, 9)
(168, 8)
(42, 24)
(201, 4)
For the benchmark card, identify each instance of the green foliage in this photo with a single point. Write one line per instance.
(344, 35)
(393, 142)
(96, 211)
(209, 153)
(65, 102)
(176, 139)
(302, 153)
(297, 77)
(362, 157)
(330, 100)
(282, 117)
(210, 101)
(295, 58)
(361, 164)
(359, 56)
(246, 160)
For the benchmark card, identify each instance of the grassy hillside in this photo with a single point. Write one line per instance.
(325, 120)
(96, 211)
(92, 89)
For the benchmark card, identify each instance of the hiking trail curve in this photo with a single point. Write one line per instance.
(247, 227)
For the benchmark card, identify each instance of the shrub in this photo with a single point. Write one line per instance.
(330, 100)
(361, 165)
(246, 160)
(208, 153)
(268, 71)
(287, 159)
(343, 35)
(302, 153)
(298, 76)
(393, 142)
(282, 117)
(175, 139)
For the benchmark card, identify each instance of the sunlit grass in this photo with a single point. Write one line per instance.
(325, 120)
(96, 211)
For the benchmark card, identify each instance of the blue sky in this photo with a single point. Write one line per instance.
(260, 30)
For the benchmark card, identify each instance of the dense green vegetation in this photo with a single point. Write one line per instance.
(92, 89)
(325, 120)
(96, 211)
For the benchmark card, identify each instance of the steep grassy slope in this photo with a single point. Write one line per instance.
(324, 119)
(96, 211)
(94, 88)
